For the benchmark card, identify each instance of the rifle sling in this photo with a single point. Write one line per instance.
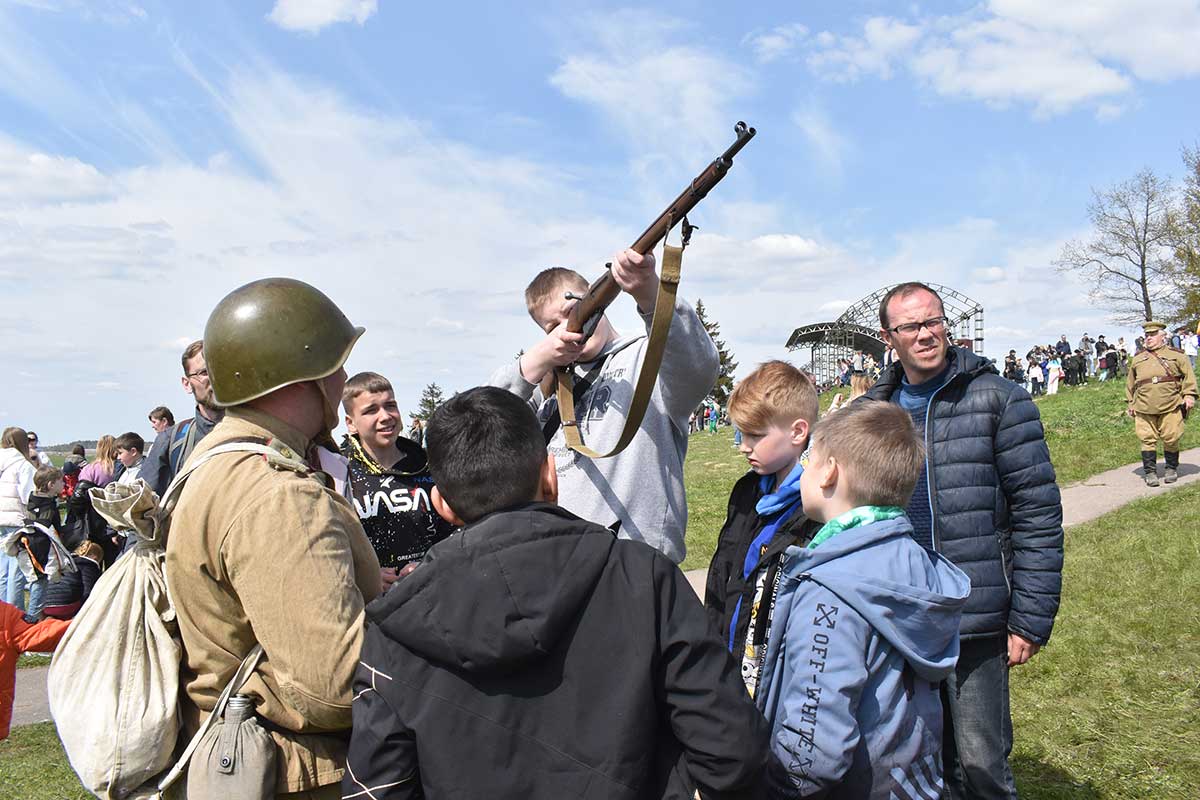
(664, 310)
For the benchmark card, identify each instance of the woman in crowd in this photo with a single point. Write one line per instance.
(16, 484)
(97, 474)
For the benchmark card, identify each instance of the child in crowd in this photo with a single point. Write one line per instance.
(18, 636)
(774, 407)
(67, 595)
(131, 452)
(42, 509)
(865, 623)
(535, 655)
(389, 477)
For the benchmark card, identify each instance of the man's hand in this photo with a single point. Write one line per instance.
(1129, 410)
(635, 275)
(1190, 402)
(559, 348)
(1020, 649)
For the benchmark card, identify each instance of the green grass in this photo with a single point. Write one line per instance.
(1111, 708)
(34, 767)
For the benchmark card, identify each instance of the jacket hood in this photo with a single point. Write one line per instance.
(10, 456)
(962, 362)
(912, 597)
(498, 593)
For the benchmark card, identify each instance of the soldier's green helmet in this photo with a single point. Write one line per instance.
(272, 333)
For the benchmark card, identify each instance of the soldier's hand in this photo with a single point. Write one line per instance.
(559, 348)
(1129, 410)
(635, 274)
(1190, 402)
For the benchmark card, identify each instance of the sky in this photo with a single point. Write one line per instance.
(420, 162)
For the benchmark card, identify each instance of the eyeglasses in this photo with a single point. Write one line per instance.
(933, 325)
(200, 373)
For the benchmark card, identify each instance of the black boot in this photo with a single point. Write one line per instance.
(1150, 467)
(1172, 473)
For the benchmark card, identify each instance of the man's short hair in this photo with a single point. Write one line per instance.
(774, 392)
(131, 441)
(162, 412)
(878, 449)
(78, 450)
(190, 352)
(362, 383)
(551, 281)
(486, 451)
(903, 290)
(44, 477)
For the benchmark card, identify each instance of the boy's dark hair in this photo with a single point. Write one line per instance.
(364, 382)
(903, 290)
(44, 477)
(131, 441)
(878, 449)
(486, 451)
(161, 412)
(78, 450)
(551, 281)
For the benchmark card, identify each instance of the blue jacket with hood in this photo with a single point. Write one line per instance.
(864, 628)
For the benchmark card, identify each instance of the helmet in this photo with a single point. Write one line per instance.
(272, 333)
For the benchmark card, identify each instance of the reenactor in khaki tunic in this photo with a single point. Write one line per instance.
(1160, 389)
(274, 556)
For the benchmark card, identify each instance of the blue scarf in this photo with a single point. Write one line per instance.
(783, 496)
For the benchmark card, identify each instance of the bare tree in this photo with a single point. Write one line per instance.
(1130, 260)
(1184, 304)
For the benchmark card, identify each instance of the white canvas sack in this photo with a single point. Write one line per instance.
(114, 680)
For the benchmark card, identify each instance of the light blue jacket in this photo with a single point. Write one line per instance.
(864, 628)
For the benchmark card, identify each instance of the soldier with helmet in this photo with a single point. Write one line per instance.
(274, 556)
(1160, 390)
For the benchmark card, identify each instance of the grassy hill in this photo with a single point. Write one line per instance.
(1086, 429)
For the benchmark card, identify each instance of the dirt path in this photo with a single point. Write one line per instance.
(1082, 502)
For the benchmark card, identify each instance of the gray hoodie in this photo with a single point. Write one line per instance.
(863, 630)
(642, 487)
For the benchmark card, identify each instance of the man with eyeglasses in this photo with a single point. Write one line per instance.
(988, 501)
(173, 445)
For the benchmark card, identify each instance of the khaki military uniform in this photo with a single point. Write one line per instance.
(261, 555)
(1157, 382)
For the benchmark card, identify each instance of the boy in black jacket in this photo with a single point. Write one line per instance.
(535, 655)
(774, 407)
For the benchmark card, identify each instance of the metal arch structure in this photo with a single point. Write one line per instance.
(857, 329)
(964, 314)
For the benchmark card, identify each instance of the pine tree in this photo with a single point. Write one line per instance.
(724, 386)
(431, 398)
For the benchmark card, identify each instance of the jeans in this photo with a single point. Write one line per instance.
(977, 737)
(37, 597)
(12, 580)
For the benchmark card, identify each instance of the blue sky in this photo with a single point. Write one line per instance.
(419, 162)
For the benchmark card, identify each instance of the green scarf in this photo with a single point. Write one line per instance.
(862, 515)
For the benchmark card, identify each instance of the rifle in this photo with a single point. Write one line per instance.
(586, 313)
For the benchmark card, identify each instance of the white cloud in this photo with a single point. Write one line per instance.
(310, 16)
(30, 177)
(988, 274)
(775, 43)
(1053, 57)
(848, 58)
(671, 100)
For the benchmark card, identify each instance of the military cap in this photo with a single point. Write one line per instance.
(1152, 326)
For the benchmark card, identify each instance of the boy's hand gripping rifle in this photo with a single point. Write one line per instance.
(586, 313)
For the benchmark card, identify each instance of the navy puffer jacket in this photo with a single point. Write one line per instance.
(997, 509)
